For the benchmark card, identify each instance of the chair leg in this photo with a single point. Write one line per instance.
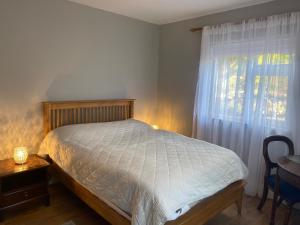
(264, 197)
(279, 201)
(275, 199)
(288, 215)
(1, 217)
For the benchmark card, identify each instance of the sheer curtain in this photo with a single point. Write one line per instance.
(248, 87)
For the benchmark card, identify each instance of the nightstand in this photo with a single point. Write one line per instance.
(23, 185)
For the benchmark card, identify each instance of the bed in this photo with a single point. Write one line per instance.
(130, 173)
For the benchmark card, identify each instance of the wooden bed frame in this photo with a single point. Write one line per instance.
(57, 114)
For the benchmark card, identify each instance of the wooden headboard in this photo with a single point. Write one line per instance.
(57, 114)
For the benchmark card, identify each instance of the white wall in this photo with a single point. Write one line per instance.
(59, 50)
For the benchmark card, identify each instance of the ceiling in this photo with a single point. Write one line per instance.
(167, 11)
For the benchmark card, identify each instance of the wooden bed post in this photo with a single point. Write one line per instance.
(239, 202)
(47, 114)
(131, 109)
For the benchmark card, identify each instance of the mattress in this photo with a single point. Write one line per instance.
(151, 176)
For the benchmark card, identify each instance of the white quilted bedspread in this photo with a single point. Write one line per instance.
(152, 175)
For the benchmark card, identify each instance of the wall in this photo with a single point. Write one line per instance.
(179, 60)
(59, 50)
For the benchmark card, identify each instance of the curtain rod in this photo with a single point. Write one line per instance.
(195, 29)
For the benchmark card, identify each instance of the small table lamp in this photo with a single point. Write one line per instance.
(20, 155)
(155, 127)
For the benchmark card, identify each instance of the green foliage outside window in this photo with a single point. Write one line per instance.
(231, 87)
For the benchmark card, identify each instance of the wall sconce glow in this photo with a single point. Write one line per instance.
(20, 155)
(155, 127)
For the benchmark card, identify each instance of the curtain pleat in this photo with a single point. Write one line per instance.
(249, 87)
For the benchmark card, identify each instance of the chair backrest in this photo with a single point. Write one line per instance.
(269, 164)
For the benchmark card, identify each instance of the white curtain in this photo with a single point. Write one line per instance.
(249, 87)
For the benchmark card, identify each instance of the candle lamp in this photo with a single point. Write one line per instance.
(155, 127)
(20, 155)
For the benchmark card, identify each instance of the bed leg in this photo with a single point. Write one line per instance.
(239, 203)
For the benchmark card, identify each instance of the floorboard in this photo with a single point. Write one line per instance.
(65, 207)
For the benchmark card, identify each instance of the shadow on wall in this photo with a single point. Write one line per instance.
(20, 127)
(21, 117)
(58, 50)
(78, 87)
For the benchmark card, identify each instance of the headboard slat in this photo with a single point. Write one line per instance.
(57, 114)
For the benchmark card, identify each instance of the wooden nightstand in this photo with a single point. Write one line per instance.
(23, 185)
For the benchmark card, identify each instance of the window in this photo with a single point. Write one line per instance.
(239, 94)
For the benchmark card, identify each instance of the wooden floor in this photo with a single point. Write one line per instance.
(65, 207)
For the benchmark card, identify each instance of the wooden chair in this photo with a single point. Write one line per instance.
(287, 192)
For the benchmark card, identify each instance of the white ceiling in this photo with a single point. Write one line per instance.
(167, 11)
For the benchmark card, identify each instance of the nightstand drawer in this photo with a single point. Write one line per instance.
(23, 185)
(22, 195)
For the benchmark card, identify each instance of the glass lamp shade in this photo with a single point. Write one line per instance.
(20, 155)
(155, 127)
